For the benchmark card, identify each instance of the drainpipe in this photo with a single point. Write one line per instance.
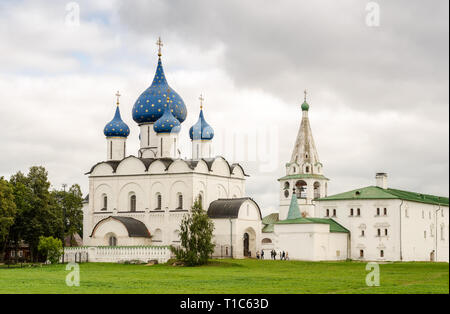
(401, 253)
(436, 233)
(231, 237)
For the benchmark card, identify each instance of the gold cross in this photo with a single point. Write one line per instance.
(159, 43)
(201, 101)
(118, 96)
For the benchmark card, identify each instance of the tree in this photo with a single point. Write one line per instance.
(38, 213)
(196, 237)
(50, 248)
(71, 203)
(7, 212)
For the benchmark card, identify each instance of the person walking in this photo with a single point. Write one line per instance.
(283, 256)
(287, 256)
(257, 254)
(262, 254)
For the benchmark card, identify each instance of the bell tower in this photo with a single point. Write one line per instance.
(304, 171)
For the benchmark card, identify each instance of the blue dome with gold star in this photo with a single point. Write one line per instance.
(201, 130)
(150, 105)
(116, 127)
(167, 123)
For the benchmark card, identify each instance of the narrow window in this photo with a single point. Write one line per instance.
(124, 149)
(112, 241)
(334, 212)
(180, 201)
(105, 202)
(385, 232)
(307, 169)
(378, 212)
(133, 203)
(361, 253)
(200, 201)
(381, 253)
(175, 147)
(358, 212)
(385, 211)
(379, 232)
(328, 213)
(362, 233)
(351, 211)
(110, 150)
(148, 136)
(161, 147)
(158, 201)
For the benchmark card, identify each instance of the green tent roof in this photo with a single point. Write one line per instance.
(374, 192)
(334, 226)
(294, 211)
(268, 222)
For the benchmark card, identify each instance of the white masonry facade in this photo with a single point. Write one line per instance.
(140, 200)
(375, 223)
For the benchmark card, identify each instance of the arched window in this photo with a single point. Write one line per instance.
(300, 188)
(351, 212)
(286, 185)
(328, 213)
(180, 201)
(266, 241)
(158, 201)
(133, 203)
(358, 212)
(307, 169)
(112, 241)
(316, 190)
(200, 201)
(105, 202)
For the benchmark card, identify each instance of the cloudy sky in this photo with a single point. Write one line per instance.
(379, 94)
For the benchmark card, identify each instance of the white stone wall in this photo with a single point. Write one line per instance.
(227, 232)
(117, 254)
(131, 178)
(414, 245)
(311, 242)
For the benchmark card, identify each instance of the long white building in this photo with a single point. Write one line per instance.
(375, 223)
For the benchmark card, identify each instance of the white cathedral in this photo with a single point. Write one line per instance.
(139, 201)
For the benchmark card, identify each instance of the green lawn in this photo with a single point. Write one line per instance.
(230, 276)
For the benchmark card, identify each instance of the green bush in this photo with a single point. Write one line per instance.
(50, 248)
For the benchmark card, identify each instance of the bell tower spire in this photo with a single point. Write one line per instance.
(303, 171)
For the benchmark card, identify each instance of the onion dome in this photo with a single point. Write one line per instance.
(116, 127)
(150, 105)
(201, 130)
(167, 123)
(305, 105)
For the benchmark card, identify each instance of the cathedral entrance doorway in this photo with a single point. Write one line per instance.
(247, 252)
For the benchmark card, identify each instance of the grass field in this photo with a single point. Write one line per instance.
(230, 276)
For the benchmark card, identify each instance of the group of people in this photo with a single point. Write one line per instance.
(284, 256)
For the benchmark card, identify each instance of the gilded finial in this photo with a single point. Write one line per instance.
(159, 43)
(201, 101)
(118, 96)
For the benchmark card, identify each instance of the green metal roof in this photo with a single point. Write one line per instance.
(334, 226)
(374, 192)
(268, 222)
(294, 211)
(304, 176)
